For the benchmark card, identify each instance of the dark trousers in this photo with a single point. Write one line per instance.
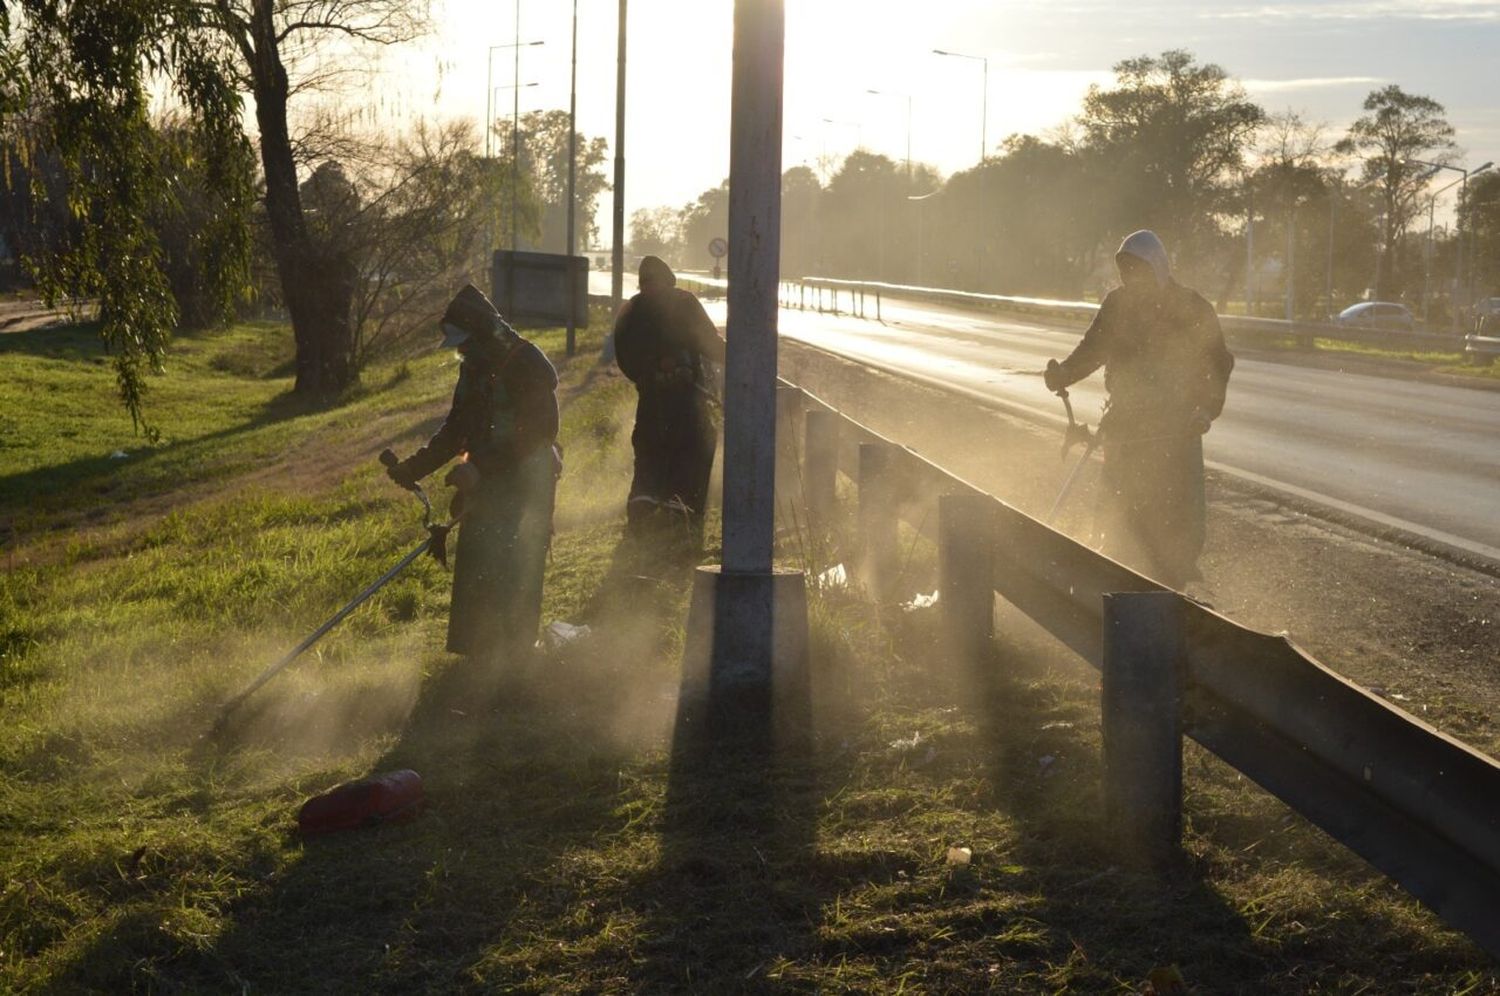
(500, 560)
(674, 442)
(1153, 504)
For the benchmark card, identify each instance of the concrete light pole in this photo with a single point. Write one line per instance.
(748, 621)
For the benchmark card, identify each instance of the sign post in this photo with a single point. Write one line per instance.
(718, 249)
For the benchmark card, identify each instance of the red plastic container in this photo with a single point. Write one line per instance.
(387, 798)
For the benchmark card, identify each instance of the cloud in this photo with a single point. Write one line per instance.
(1309, 83)
(1486, 11)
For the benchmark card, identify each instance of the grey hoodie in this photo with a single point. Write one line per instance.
(1145, 245)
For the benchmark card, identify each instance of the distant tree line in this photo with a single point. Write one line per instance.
(1258, 206)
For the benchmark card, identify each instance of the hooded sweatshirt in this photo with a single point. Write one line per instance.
(1161, 347)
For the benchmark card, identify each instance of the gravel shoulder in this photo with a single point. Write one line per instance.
(1418, 629)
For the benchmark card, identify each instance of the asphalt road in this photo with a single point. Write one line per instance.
(1420, 457)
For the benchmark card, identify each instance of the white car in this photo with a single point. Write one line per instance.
(1377, 315)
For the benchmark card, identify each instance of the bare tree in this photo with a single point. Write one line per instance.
(424, 227)
(318, 279)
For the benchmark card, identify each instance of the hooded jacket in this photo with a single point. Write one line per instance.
(505, 405)
(662, 334)
(1161, 347)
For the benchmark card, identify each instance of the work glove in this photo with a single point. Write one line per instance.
(1053, 377)
(398, 471)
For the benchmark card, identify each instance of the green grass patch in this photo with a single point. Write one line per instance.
(574, 842)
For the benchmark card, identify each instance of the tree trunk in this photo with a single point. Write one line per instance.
(314, 280)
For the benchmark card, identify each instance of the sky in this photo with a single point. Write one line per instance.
(1318, 57)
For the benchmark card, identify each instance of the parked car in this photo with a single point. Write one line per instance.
(1377, 315)
(1487, 316)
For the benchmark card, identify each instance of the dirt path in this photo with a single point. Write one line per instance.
(1420, 630)
(25, 314)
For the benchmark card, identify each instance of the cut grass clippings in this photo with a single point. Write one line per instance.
(572, 843)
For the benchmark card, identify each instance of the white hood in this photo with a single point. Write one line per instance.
(1146, 246)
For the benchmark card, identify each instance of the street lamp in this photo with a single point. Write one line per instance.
(1458, 276)
(917, 200)
(1427, 270)
(883, 207)
(980, 241)
(907, 97)
(489, 106)
(859, 133)
(984, 103)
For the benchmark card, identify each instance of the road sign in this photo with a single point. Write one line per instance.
(718, 248)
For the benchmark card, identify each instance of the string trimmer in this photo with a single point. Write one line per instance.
(1076, 432)
(436, 544)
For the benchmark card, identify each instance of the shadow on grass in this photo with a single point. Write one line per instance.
(59, 342)
(87, 483)
(1046, 776)
(732, 892)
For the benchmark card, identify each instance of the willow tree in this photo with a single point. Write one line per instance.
(78, 80)
(97, 63)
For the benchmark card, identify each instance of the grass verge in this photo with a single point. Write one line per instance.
(573, 843)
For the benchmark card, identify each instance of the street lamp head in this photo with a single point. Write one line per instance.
(1481, 169)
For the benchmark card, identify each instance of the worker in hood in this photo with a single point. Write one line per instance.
(665, 343)
(1166, 369)
(503, 428)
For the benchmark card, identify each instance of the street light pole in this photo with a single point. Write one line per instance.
(984, 151)
(572, 343)
(489, 96)
(617, 277)
(984, 102)
(515, 174)
(907, 97)
(1458, 273)
(1427, 270)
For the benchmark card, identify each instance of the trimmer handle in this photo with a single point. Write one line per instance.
(388, 459)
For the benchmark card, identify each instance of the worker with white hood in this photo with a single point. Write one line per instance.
(1166, 369)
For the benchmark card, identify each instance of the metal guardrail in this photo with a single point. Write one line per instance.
(860, 291)
(1481, 350)
(1418, 805)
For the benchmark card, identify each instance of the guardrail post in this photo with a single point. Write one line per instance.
(878, 318)
(877, 516)
(966, 583)
(820, 465)
(788, 411)
(1141, 711)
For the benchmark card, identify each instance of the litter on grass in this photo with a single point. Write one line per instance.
(560, 634)
(906, 744)
(835, 577)
(920, 602)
